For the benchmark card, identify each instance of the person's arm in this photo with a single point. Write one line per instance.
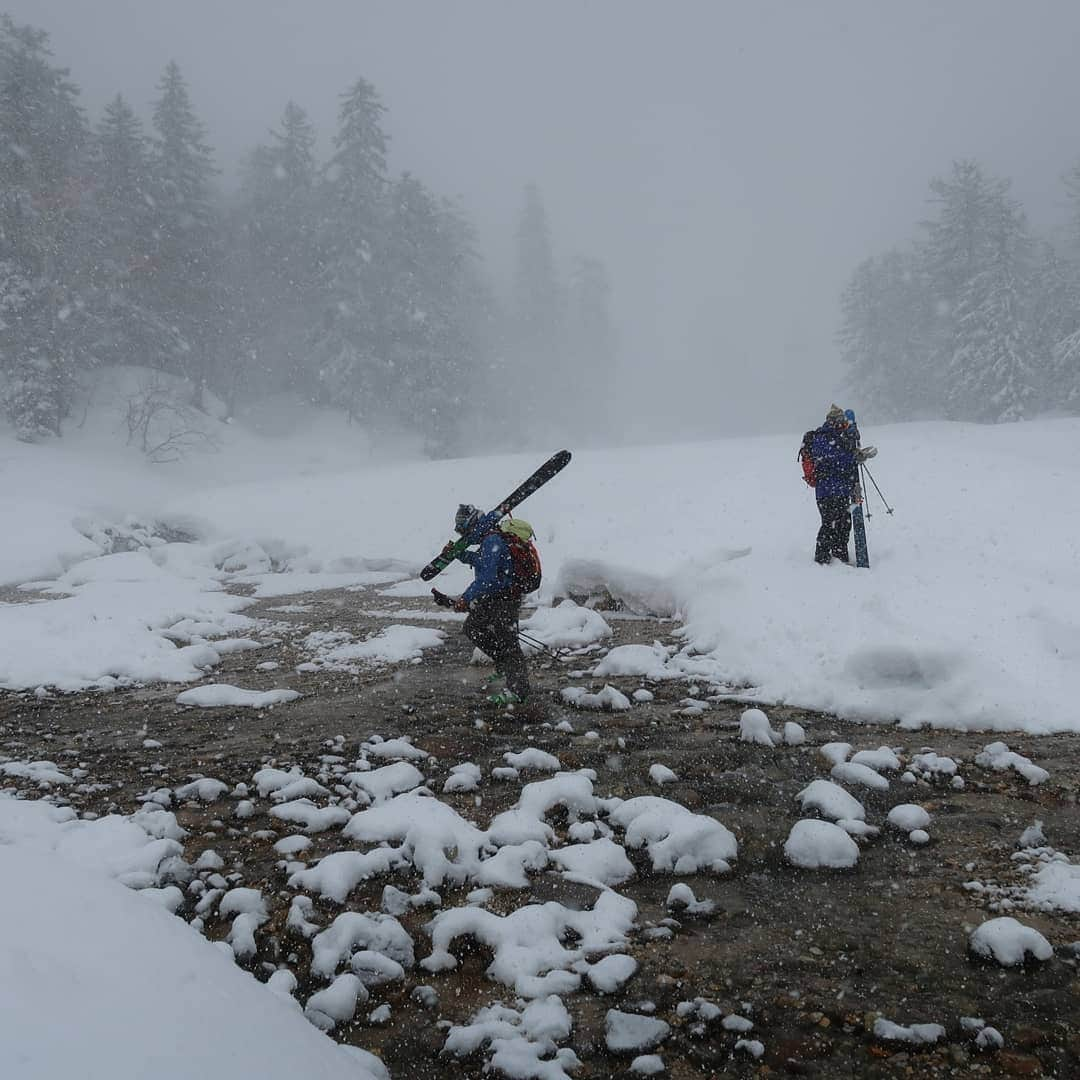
(489, 568)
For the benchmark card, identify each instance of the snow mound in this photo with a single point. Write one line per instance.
(221, 695)
(528, 944)
(999, 757)
(398, 644)
(567, 626)
(433, 837)
(678, 840)
(520, 1043)
(607, 700)
(600, 860)
(918, 1034)
(1055, 886)
(1008, 942)
(632, 590)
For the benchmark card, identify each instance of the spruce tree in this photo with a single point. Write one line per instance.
(993, 374)
(348, 343)
(43, 328)
(185, 264)
(274, 261)
(538, 327)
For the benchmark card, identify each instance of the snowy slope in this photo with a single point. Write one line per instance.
(967, 618)
(104, 984)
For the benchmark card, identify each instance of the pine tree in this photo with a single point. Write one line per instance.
(538, 329)
(884, 338)
(590, 340)
(348, 343)
(120, 235)
(976, 264)
(274, 264)
(185, 265)
(993, 374)
(428, 336)
(42, 324)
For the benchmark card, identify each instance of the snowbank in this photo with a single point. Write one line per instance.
(967, 618)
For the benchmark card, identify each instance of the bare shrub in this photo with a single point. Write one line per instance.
(163, 425)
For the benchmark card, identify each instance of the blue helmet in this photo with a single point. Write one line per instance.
(465, 519)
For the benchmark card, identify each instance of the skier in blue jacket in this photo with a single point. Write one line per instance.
(493, 601)
(835, 452)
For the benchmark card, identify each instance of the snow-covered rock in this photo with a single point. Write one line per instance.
(661, 774)
(814, 844)
(849, 772)
(631, 1033)
(754, 727)
(611, 973)
(831, 801)
(908, 816)
(794, 735)
(1008, 942)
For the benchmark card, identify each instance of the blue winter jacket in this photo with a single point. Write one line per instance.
(492, 564)
(833, 450)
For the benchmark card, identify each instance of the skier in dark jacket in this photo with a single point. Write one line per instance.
(493, 601)
(835, 453)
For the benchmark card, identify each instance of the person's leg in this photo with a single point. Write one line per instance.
(823, 549)
(841, 530)
(478, 629)
(508, 657)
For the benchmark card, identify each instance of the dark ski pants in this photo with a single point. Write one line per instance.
(492, 626)
(832, 537)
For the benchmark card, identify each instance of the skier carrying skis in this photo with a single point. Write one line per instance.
(834, 450)
(506, 567)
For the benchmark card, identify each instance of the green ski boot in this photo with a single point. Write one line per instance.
(492, 679)
(506, 698)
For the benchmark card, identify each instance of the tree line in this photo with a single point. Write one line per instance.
(333, 279)
(976, 319)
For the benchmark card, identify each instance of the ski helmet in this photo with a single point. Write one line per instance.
(466, 518)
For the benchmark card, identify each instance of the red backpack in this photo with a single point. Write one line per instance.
(518, 535)
(807, 458)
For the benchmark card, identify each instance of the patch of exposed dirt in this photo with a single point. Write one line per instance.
(813, 957)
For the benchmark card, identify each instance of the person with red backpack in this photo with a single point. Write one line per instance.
(830, 457)
(506, 568)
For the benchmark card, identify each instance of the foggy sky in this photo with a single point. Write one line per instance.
(730, 162)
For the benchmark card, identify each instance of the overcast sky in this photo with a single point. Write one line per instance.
(730, 162)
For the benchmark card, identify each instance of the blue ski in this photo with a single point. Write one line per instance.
(858, 525)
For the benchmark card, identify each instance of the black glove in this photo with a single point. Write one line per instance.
(442, 599)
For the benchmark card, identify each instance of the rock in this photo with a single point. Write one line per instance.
(1013, 1063)
(1027, 1036)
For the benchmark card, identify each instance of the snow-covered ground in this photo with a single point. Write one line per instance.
(968, 617)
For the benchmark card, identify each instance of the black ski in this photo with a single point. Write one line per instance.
(555, 464)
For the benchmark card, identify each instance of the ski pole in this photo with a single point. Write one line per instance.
(536, 643)
(888, 508)
(862, 473)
